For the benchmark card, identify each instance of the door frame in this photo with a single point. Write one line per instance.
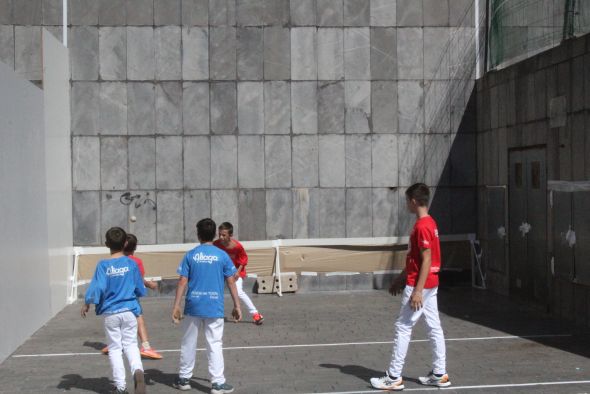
(524, 149)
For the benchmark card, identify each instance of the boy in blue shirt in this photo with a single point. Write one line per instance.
(203, 270)
(114, 290)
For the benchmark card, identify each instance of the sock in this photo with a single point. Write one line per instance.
(438, 375)
(146, 345)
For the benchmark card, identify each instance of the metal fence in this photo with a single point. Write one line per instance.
(522, 28)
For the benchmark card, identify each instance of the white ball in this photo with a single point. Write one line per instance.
(133, 218)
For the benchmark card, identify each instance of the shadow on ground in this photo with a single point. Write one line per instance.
(77, 382)
(95, 345)
(167, 379)
(513, 317)
(363, 373)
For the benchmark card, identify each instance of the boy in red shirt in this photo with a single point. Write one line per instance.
(238, 255)
(145, 350)
(420, 278)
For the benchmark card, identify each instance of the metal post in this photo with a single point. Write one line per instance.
(568, 19)
(65, 22)
(486, 38)
(278, 278)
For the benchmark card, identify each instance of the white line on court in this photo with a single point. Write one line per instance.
(484, 386)
(504, 337)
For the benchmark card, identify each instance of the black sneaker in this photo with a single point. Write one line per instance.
(223, 388)
(119, 391)
(182, 384)
(139, 380)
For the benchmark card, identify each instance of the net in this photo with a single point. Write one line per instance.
(522, 28)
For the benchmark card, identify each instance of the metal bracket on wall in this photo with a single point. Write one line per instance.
(478, 278)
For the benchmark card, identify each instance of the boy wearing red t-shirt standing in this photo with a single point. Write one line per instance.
(420, 278)
(238, 255)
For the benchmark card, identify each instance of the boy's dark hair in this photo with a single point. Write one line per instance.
(206, 230)
(420, 193)
(227, 226)
(131, 244)
(115, 239)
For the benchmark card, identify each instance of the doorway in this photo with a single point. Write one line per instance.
(527, 213)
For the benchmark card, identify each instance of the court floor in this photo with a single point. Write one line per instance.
(324, 343)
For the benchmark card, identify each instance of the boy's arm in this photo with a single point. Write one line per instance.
(416, 298)
(229, 272)
(140, 290)
(241, 261)
(95, 290)
(233, 290)
(176, 313)
(150, 284)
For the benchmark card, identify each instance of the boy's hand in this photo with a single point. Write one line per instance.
(396, 287)
(236, 314)
(177, 315)
(416, 300)
(150, 284)
(84, 310)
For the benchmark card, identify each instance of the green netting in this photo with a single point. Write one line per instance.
(522, 28)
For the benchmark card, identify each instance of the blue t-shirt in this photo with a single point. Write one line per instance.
(115, 287)
(206, 268)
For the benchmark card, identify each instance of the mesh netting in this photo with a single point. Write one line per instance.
(522, 28)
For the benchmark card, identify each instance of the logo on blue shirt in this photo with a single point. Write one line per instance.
(113, 271)
(205, 258)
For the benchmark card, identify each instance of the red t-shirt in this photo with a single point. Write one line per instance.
(424, 236)
(237, 254)
(139, 264)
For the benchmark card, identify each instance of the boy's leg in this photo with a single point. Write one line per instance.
(435, 331)
(244, 297)
(146, 349)
(129, 340)
(129, 332)
(112, 328)
(214, 335)
(188, 348)
(403, 333)
(142, 330)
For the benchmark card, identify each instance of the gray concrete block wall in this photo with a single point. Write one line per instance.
(290, 118)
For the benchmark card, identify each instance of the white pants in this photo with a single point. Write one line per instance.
(404, 324)
(244, 297)
(121, 333)
(188, 349)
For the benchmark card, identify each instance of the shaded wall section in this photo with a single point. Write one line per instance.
(291, 119)
(542, 102)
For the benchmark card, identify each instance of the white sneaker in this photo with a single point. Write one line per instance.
(432, 380)
(388, 383)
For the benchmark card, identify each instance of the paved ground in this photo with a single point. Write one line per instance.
(491, 342)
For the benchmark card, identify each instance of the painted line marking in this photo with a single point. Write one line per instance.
(484, 386)
(311, 345)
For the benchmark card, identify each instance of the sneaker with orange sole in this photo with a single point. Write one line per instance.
(150, 353)
(258, 319)
(435, 380)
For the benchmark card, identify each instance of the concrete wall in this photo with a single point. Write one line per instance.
(35, 236)
(24, 296)
(542, 101)
(58, 165)
(289, 118)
